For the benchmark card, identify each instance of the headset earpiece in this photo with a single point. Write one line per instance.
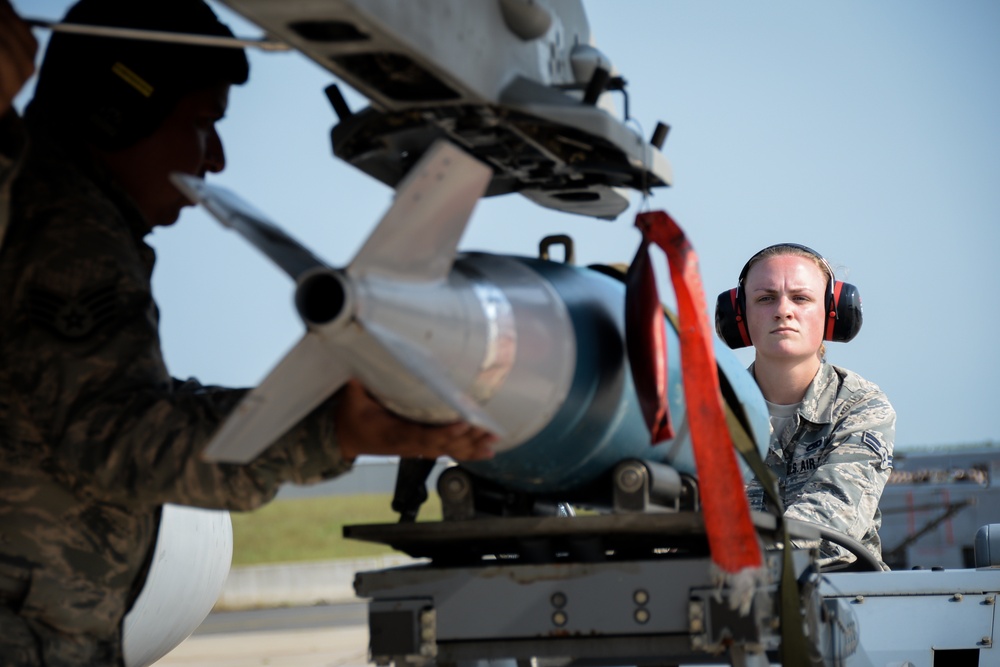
(844, 313)
(729, 321)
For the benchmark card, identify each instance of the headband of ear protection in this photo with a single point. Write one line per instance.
(843, 305)
(112, 92)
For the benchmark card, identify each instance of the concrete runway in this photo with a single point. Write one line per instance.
(320, 636)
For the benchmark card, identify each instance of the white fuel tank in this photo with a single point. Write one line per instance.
(191, 560)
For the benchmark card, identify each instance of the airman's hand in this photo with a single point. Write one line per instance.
(17, 55)
(365, 427)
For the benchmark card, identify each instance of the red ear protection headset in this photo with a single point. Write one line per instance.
(843, 306)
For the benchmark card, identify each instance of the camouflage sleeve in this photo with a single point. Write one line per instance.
(83, 357)
(755, 495)
(844, 491)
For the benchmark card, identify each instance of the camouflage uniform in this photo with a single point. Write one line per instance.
(94, 433)
(833, 460)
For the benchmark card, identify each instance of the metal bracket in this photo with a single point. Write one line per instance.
(646, 486)
(716, 626)
(569, 255)
(402, 631)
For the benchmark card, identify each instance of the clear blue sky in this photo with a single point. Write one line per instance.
(869, 131)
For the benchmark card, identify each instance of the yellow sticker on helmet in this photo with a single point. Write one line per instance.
(132, 79)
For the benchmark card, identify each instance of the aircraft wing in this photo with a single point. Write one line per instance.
(517, 83)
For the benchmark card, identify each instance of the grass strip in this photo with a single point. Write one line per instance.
(311, 529)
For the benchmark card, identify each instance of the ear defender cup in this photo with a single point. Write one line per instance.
(729, 323)
(843, 306)
(845, 324)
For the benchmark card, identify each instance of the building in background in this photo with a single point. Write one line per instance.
(935, 502)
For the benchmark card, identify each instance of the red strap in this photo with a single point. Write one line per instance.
(831, 316)
(731, 535)
(741, 323)
(646, 341)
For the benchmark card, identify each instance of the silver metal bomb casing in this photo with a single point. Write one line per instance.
(598, 421)
(498, 330)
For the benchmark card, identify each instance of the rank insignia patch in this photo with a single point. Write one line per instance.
(872, 442)
(76, 317)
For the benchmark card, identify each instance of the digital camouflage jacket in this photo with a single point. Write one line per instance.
(95, 435)
(833, 460)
